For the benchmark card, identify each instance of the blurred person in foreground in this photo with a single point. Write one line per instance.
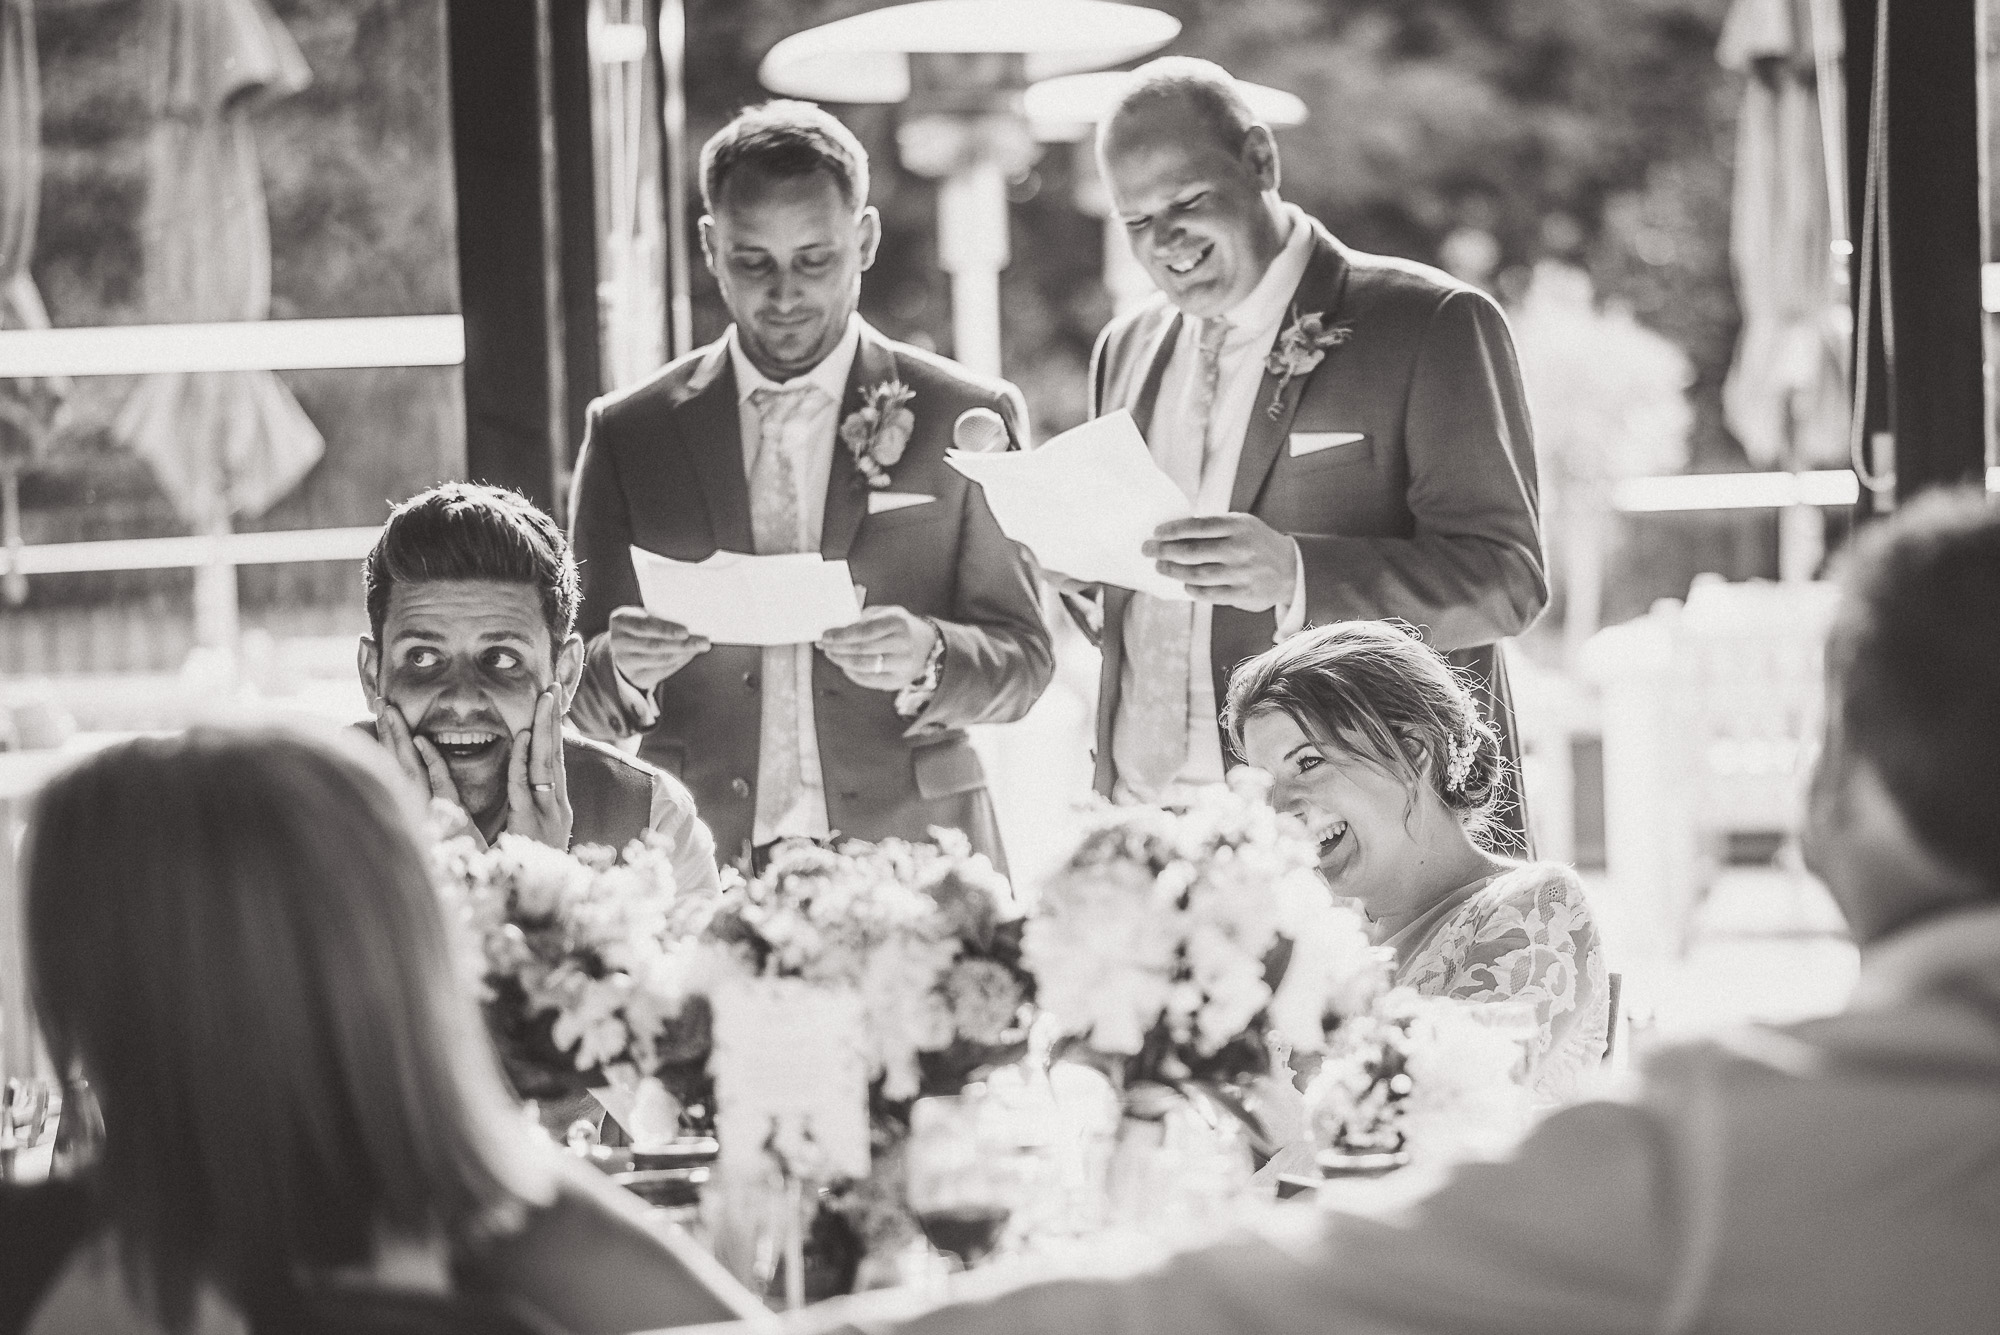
(1350, 430)
(1835, 1177)
(1377, 746)
(470, 664)
(803, 429)
(234, 935)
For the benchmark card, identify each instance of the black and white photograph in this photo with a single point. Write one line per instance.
(999, 667)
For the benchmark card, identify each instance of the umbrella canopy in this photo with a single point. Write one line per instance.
(222, 444)
(1786, 395)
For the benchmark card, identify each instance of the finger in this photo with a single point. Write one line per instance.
(665, 632)
(1203, 573)
(434, 767)
(1231, 595)
(870, 656)
(639, 619)
(544, 759)
(395, 735)
(518, 796)
(1191, 549)
(1200, 526)
(889, 639)
(872, 623)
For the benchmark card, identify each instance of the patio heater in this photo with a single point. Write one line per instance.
(960, 69)
(1067, 109)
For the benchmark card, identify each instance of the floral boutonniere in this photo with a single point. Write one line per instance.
(1300, 348)
(878, 431)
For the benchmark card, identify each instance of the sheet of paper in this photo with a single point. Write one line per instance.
(732, 598)
(1084, 502)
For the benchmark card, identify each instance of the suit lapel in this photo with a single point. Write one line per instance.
(713, 433)
(1320, 290)
(846, 489)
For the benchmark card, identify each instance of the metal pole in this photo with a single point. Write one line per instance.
(972, 246)
(673, 116)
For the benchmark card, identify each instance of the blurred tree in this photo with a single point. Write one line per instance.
(1426, 116)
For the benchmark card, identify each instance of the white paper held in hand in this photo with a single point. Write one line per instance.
(1084, 502)
(733, 598)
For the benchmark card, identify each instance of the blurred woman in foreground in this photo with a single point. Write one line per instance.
(1373, 742)
(234, 935)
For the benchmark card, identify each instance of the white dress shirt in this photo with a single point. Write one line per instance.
(1176, 441)
(811, 437)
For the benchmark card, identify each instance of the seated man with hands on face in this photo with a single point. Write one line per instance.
(470, 663)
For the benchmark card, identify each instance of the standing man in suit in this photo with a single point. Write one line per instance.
(1351, 430)
(803, 429)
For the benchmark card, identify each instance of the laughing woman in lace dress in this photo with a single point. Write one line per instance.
(1377, 746)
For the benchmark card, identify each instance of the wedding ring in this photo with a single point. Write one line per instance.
(881, 661)
(543, 787)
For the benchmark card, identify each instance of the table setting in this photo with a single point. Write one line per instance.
(874, 1064)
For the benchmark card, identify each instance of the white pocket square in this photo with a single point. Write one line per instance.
(1312, 442)
(882, 502)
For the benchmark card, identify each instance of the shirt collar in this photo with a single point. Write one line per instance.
(1257, 316)
(829, 377)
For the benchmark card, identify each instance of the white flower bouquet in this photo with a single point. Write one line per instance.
(1425, 1077)
(578, 956)
(928, 936)
(1178, 943)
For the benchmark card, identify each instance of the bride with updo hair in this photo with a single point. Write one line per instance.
(1374, 743)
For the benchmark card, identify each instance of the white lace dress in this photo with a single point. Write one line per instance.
(1524, 936)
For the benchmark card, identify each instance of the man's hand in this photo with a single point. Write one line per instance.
(1237, 560)
(415, 755)
(647, 649)
(884, 651)
(537, 786)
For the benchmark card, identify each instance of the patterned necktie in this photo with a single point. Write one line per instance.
(777, 524)
(1149, 738)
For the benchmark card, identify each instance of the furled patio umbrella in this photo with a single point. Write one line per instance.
(223, 444)
(1786, 395)
(25, 405)
(230, 444)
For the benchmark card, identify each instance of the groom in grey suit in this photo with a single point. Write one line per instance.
(775, 439)
(1351, 429)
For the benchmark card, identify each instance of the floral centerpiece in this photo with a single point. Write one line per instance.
(1188, 952)
(577, 956)
(1418, 1078)
(1177, 944)
(836, 988)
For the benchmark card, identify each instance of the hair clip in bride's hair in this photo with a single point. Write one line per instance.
(1458, 763)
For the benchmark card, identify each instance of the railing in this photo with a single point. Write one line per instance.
(250, 345)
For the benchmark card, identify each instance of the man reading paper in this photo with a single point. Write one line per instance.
(1351, 429)
(803, 429)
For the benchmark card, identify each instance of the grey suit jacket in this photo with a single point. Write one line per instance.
(662, 469)
(1430, 516)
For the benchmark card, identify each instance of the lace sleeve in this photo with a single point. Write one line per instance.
(1528, 940)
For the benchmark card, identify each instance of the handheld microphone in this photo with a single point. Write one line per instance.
(979, 431)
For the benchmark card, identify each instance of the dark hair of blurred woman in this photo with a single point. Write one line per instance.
(233, 934)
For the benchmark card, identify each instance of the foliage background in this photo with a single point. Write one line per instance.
(1598, 131)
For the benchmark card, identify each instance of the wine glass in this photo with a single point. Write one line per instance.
(960, 1185)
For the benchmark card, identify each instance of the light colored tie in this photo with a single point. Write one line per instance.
(777, 527)
(1149, 738)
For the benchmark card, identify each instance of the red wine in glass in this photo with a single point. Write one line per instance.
(969, 1232)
